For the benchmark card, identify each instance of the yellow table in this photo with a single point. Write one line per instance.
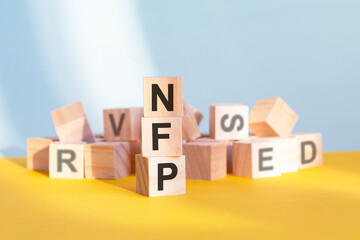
(322, 202)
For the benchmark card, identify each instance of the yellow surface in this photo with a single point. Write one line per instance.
(322, 202)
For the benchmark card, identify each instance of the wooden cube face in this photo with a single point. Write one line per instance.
(272, 117)
(122, 124)
(197, 114)
(107, 160)
(160, 176)
(161, 136)
(205, 160)
(310, 152)
(163, 97)
(66, 160)
(256, 159)
(190, 128)
(71, 124)
(287, 150)
(229, 121)
(229, 146)
(38, 153)
(135, 148)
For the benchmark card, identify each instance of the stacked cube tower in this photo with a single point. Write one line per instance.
(160, 168)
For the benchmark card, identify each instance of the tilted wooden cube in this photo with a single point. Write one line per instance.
(256, 158)
(161, 136)
(122, 124)
(160, 176)
(272, 117)
(205, 160)
(71, 124)
(107, 160)
(66, 160)
(198, 115)
(38, 153)
(310, 152)
(229, 121)
(190, 128)
(163, 97)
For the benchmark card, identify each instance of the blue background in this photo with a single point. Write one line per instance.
(53, 53)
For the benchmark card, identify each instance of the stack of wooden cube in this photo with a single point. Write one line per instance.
(78, 153)
(160, 168)
(172, 148)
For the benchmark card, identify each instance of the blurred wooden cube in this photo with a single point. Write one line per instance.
(229, 145)
(66, 160)
(38, 153)
(163, 97)
(107, 160)
(310, 153)
(256, 158)
(122, 124)
(71, 124)
(229, 121)
(190, 128)
(160, 176)
(161, 136)
(272, 117)
(197, 114)
(205, 160)
(287, 150)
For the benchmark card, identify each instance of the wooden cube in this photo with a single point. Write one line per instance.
(163, 97)
(66, 160)
(135, 148)
(38, 153)
(190, 128)
(229, 145)
(310, 152)
(161, 137)
(197, 114)
(107, 160)
(287, 150)
(160, 176)
(71, 124)
(229, 121)
(205, 160)
(272, 117)
(256, 158)
(122, 124)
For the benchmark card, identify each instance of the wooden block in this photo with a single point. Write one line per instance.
(288, 153)
(122, 124)
(197, 114)
(310, 152)
(272, 117)
(190, 128)
(135, 148)
(38, 153)
(229, 145)
(205, 160)
(161, 137)
(66, 160)
(160, 176)
(229, 121)
(256, 158)
(107, 160)
(163, 97)
(71, 124)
